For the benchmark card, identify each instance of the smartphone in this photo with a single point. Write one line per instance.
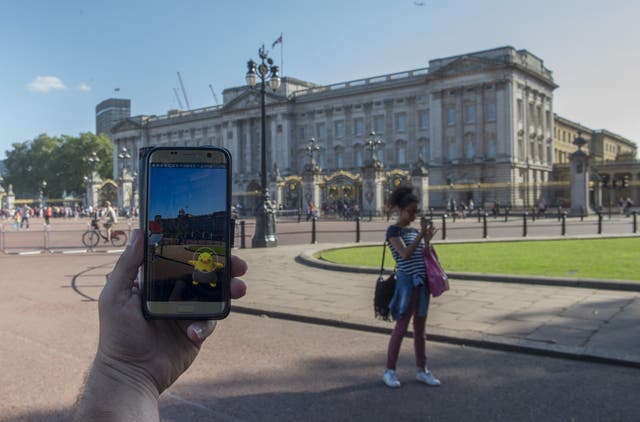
(185, 212)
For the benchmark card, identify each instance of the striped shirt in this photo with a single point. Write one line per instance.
(415, 264)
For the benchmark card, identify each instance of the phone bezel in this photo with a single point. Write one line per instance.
(189, 155)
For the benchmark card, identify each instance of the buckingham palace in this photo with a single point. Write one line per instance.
(477, 127)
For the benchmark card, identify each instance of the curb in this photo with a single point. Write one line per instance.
(461, 338)
(308, 258)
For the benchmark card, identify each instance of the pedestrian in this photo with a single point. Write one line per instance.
(48, 212)
(26, 213)
(411, 295)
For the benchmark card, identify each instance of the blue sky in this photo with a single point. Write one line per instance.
(198, 191)
(60, 59)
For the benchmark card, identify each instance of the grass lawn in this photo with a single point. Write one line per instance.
(589, 258)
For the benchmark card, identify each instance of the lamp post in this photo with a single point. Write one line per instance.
(266, 71)
(93, 161)
(373, 142)
(43, 186)
(124, 156)
(312, 150)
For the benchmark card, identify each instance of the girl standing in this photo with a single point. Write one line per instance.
(411, 296)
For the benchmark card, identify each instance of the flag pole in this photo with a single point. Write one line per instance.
(281, 55)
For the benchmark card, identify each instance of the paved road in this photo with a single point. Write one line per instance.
(48, 327)
(261, 368)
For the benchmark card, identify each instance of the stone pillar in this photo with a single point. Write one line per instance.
(373, 188)
(579, 182)
(420, 183)
(11, 198)
(92, 191)
(125, 190)
(311, 179)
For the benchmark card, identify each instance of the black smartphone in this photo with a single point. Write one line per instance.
(185, 212)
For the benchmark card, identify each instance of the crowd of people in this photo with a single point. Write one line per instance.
(21, 215)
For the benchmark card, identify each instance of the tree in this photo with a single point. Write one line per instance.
(61, 162)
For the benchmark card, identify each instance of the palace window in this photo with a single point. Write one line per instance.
(321, 131)
(378, 124)
(423, 119)
(470, 113)
(358, 126)
(401, 120)
(451, 116)
(491, 112)
(338, 129)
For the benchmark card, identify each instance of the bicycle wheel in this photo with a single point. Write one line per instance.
(90, 238)
(118, 238)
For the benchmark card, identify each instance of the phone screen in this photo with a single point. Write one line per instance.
(187, 234)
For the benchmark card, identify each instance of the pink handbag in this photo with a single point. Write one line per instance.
(436, 277)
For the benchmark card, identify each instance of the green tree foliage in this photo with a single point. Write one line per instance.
(60, 161)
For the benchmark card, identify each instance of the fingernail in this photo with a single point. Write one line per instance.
(199, 331)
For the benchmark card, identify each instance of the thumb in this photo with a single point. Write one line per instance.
(126, 269)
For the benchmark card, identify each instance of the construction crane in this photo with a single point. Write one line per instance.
(175, 91)
(184, 92)
(215, 97)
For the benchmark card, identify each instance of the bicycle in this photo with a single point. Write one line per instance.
(92, 237)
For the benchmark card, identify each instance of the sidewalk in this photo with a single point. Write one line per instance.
(576, 322)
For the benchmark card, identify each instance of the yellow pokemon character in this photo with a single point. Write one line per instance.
(205, 265)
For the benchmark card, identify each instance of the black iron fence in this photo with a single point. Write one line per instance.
(294, 229)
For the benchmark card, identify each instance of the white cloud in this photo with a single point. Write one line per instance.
(84, 87)
(46, 84)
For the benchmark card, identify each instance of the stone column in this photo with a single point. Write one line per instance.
(92, 190)
(311, 179)
(373, 188)
(579, 182)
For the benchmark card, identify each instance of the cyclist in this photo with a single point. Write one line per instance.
(112, 218)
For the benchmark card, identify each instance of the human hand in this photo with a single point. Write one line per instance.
(153, 352)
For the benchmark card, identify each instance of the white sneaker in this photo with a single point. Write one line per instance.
(427, 378)
(390, 379)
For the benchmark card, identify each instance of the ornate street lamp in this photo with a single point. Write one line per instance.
(267, 72)
(93, 161)
(373, 142)
(124, 156)
(312, 149)
(43, 186)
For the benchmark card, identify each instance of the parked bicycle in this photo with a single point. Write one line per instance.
(92, 237)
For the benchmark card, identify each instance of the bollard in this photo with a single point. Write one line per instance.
(524, 224)
(46, 238)
(533, 214)
(599, 223)
(431, 213)
(453, 215)
(243, 243)
(506, 215)
(2, 238)
(299, 215)
(371, 215)
(444, 226)
(581, 213)
(635, 221)
(564, 223)
(479, 219)
(313, 230)
(484, 226)
(357, 229)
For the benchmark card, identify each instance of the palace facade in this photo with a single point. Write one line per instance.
(481, 124)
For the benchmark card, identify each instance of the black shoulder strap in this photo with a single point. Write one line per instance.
(384, 251)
